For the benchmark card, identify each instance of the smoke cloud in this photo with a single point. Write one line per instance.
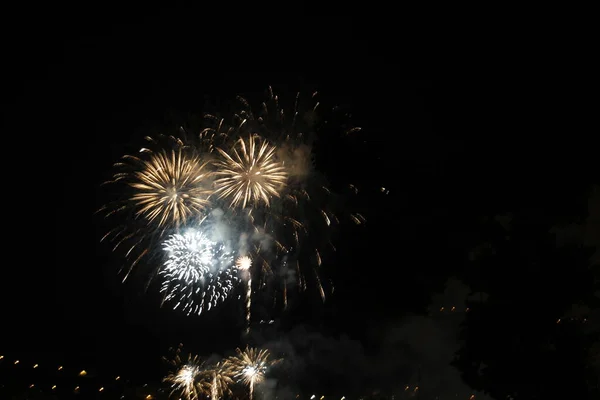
(415, 351)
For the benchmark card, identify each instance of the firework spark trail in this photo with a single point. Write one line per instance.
(214, 394)
(285, 300)
(196, 267)
(320, 286)
(243, 264)
(250, 366)
(248, 302)
(221, 378)
(249, 173)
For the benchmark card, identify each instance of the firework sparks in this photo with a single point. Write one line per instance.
(244, 263)
(262, 163)
(170, 187)
(184, 379)
(250, 366)
(161, 190)
(298, 216)
(250, 174)
(198, 272)
(220, 378)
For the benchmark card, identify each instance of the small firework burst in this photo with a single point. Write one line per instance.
(243, 263)
(184, 379)
(249, 366)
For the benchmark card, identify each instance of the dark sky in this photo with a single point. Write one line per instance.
(86, 89)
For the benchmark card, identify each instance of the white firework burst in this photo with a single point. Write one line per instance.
(198, 274)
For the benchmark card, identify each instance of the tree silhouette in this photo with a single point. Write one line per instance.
(516, 341)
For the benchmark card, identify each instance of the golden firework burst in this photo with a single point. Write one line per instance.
(250, 366)
(217, 381)
(185, 378)
(250, 173)
(170, 187)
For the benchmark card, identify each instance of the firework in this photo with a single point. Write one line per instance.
(294, 207)
(249, 366)
(260, 163)
(198, 272)
(219, 378)
(170, 188)
(249, 173)
(163, 189)
(184, 379)
(244, 263)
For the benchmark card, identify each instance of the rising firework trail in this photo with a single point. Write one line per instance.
(244, 263)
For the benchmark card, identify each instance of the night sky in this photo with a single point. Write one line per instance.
(88, 89)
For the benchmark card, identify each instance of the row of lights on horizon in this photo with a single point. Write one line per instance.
(84, 373)
(77, 388)
(407, 388)
(558, 321)
(453, 309)
(314, 397)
